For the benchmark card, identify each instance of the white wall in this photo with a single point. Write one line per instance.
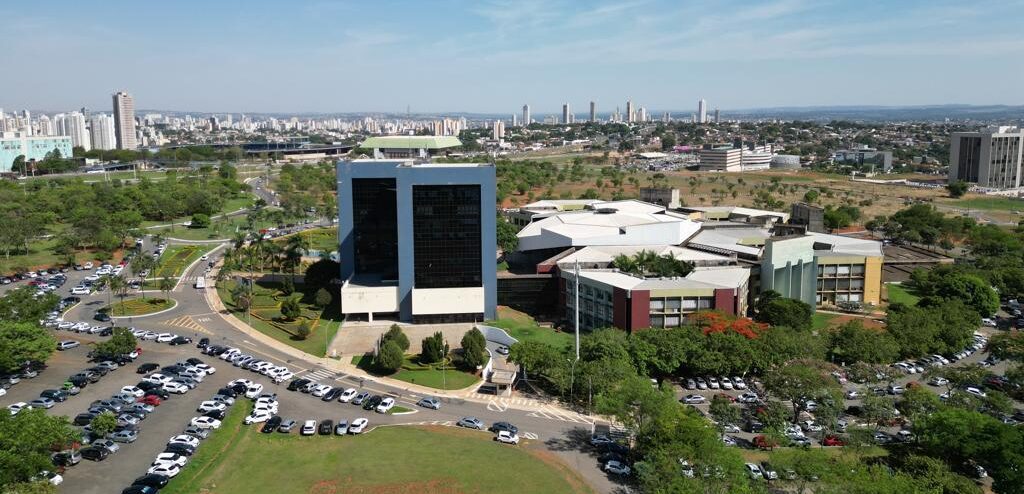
(365, 300)
(447, 300)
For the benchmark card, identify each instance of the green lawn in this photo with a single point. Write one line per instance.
(422, 375)
(265, 316)
(988, 203)
(178, 257)
(821, 320)
(321, 239)
(238, 459)
(399, 409)
(522, 327)
(138, 307)
(902, 294)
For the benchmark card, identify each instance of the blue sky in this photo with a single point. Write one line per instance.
(496, 55)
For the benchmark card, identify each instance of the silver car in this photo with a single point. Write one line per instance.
(471, 423)
(430, 402)
(125, 436)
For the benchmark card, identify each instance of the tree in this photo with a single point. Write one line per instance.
(724, 412)
(811, 196)
(26, 441)
(390, 357)
(200, 220)
(322, 298)
(474, 348)
(22, 305)
(287, 286)
(396, 335)
(918, 402)
(320, 273)
(800, 381)
(303, 330)
(775, 310)
(957, 188)
(166, 285)
(118, 287)
(507, 239)
(290, 308)
(534, 357)
(852, 342)
(121, 342)
(931, 328)
(104, 423)
(21, 342)
(433, 349)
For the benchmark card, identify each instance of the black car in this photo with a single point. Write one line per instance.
(193, 361)
(84, 418)
(95, 454)
(503, 426)
(147, 385)
(373, 402)
(216, 350)
(271, 425)
(229, 392)
(172, 369)
(215, 414)
(326, 427)
(297, 384)
(153, 480)
(203, 343)
(102, 317)
(180, 340)
(102, 371)
(140, 489)
(122, 359)
(180, 448)
(159, 392)
(332, 395)
(55, 395)
(107, 332)
(240, 388)
(64, 459)
(147, 368)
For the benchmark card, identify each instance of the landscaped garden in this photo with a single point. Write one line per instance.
(295, 317)
(138, 307)
(436, 376)
(436, 366)
(176, 258)
(431, 460)
(523, 327)
(319, 239)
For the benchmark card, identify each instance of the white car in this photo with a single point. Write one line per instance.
(308, 428)
(258, 416)
(617, 467)
(205, 423)
(165, 469)
(165, 337)
(170, 458)
(852, 394)
(206, 369)
(693, 399)
(157, 379)
(726, 383)
(132, 390)
(175, 387)
(149, 336)
(322, 389)
(507, 437)
(347, 395)
(80, 290)
(184, 439)
(754, 471)
(358, 426)
(810, 426)
(138, 332)
(386, 405)
(975, 391)
(748, 397)
(938, 381)
(737, 383)
(14, 408)
(253, 391)
(209, 406)
(67, 345)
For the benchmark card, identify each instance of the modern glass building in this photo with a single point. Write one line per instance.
(418, 241)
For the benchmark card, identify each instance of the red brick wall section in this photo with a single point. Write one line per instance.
(725, 300)
(640, 312)
(620, 305)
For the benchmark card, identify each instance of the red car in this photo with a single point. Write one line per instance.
(150, 400)
(764, 442)
(832, 441)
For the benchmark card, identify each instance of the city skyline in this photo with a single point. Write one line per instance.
(691, 51)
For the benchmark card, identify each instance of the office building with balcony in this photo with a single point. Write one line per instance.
(417, 240)
(991, 158)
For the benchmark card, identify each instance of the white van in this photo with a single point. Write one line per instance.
(201, 282)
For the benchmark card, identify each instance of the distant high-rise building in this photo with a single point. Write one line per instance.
(702, 111)
(991, 158)
(717, 116)
(26, 124)
(641, 115)
(498, 130)
(45, 126)
(593, 111)
(102, 132)
(124, 120)
(515, 120)
(565, 113)
(629, 111)
(76, 129)
(526, 115)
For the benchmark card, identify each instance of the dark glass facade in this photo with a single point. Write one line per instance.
(969, 161)
(375, 226)
(446, 233)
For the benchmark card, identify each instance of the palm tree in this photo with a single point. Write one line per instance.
(118, 287)
(166, 285)
(297, 245)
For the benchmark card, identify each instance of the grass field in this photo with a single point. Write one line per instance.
(901, 294)
(522, 327)
(138, 307)
(821, 320)
(321, 239)
(414, 373)
(265, 316)
(438, 460)
(178, 257)
(988, 203)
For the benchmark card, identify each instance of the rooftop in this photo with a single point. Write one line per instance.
(744, 240)
(715, 277)
(607, 253)
(839, 244)
(609, 223)
(411, 142)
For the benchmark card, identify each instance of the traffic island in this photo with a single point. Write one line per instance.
(135, 307)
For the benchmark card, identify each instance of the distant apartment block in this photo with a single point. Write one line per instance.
(33, 148)
(865, 156)
(811, 217)
(418, 241)
(990, 158)
(124, 121)
(725, 159)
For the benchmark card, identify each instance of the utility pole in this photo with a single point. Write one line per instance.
(577, 311)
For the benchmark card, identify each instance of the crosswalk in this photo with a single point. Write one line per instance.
(320, 374)
(502, 404)
(551, 413)
(189, 323)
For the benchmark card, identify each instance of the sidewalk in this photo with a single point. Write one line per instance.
(344, 364)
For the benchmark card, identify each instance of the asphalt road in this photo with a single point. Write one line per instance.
(540, 427)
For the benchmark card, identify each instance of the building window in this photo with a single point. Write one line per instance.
(843, 270)
(671, 321)
(673, 305)
(447, 236)
(704, 303)
(689, 304)
(657, 321)
(858, 270)
(657, 305)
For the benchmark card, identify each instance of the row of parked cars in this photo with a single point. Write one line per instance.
(326, 392)
(237, 358)
(978, 342)
(727, 383)
(504, 432)
(169, 338)
(32, 275)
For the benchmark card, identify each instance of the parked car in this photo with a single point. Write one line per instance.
(94, 454)
(430, 402)
(342, 428)
(308, 428)
(67, 345)
(358, 426)
(286, 426)
(507, 437)
(617, 467)
(385, 405)
(470, 423)
(326, 427)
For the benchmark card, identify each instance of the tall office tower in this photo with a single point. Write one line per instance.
(124, 120)
(26, 124)
(417, 240)
(102, 132)
(593, 111)
(515, 120)
(990, 158)
(526, 115)
(702, 111)
(629, 110)
(565, 113)
(498, 130)
(641, 115)
(75, 125)
(717, 116)
(45, 126)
